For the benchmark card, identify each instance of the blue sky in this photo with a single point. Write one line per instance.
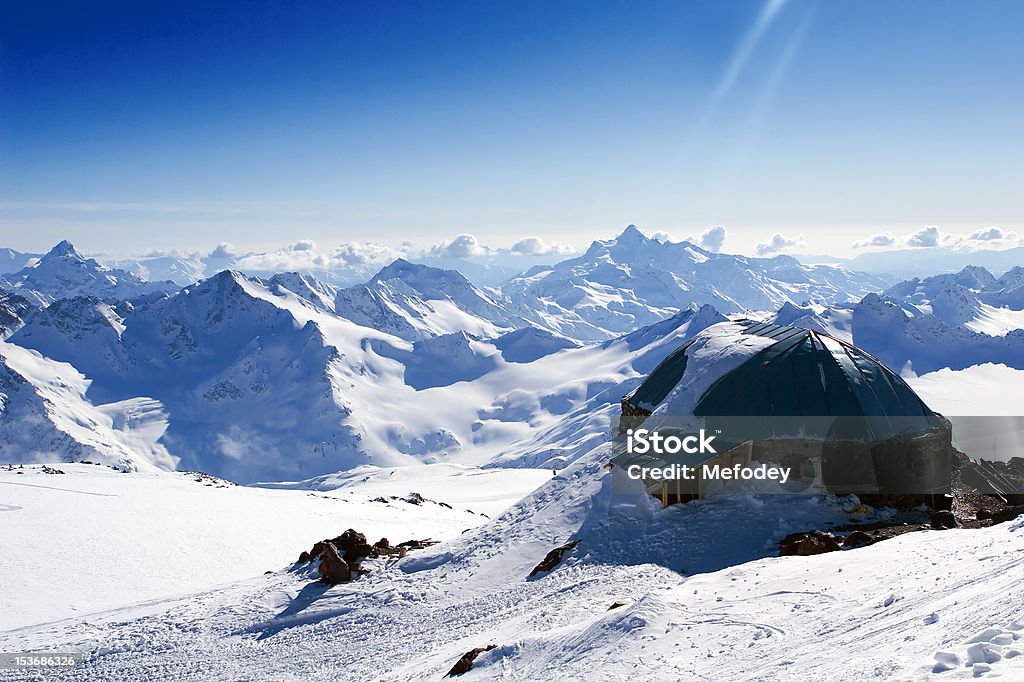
(133, 125)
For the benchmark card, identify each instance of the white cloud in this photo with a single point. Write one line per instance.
(713, 238)
(932, 237)
(778, 243)
(304, 255)
(535, 246)
(663, 236)
(223, 250)
(362, 253)
(925, 237)
(463, 246)
(991, 233)
(880, 239)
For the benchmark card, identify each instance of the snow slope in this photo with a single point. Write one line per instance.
(45, 417)
(979, 390)
(109, 539)
(904, 608)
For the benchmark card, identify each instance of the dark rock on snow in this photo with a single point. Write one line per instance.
(466, 662)
(858, 538)
(333, 569)
(340, 557)
(808, 543)
(553, 558)
(943, 519)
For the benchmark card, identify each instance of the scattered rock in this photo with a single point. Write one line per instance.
(553, 558)
(808, 543)
(353, 544)
(414, 498)
(51, 470)
(333, 569)
(350, 548)
(1007, 514)
(858, 538)
(465, 663)
(943, 519)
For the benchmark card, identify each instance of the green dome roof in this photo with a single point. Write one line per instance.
(785, 372)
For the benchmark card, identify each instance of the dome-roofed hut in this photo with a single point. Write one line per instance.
(799, 397)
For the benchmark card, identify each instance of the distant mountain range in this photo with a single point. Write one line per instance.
(617, 286)
(622, 284)
(64, 273)
(922, 262)
(285, 377)
(255, 384)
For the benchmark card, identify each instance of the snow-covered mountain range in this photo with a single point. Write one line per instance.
(949, 321)
(973, 298)
(63, 273)
(287, 377)
(415, 301)
(622, 284)
(258, 383)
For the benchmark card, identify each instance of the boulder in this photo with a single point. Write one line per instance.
(943, 519)
(858, 538)
(808, 543)
(1007, 514)
(333, 569)
(353, 545)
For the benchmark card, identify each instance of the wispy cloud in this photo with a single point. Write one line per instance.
(880, 239)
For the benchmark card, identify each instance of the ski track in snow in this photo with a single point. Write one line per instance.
(52, 487)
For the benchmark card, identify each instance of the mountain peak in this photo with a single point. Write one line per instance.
(975, 277)
(398, 267)
(631, 234)
(419, 276)
(64, 249)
